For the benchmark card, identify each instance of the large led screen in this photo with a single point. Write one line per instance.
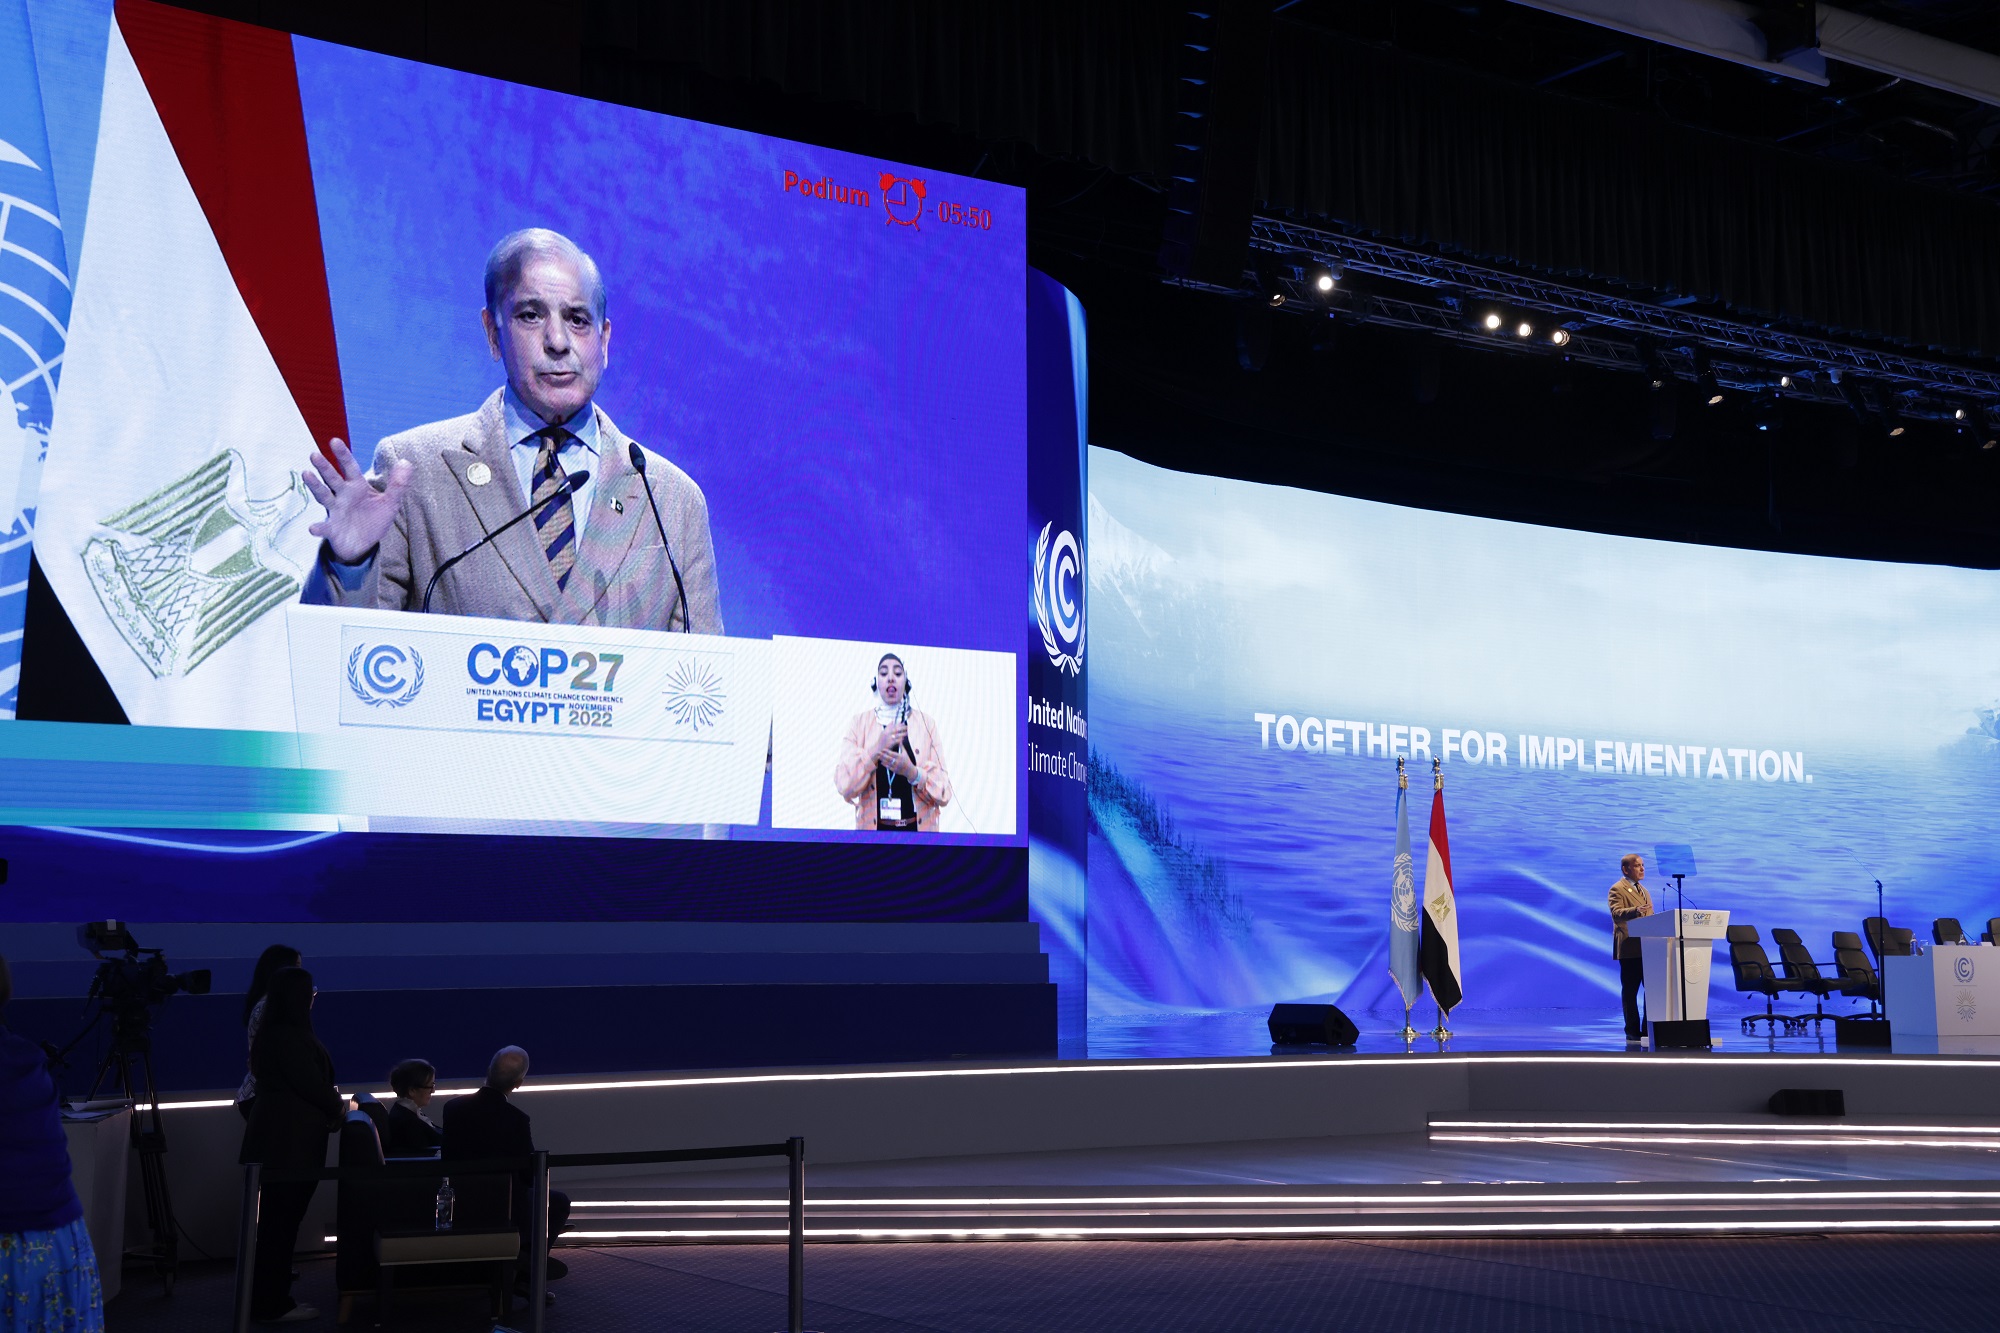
(1262, 655)
(799, 457)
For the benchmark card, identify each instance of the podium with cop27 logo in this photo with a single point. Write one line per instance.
(464, 718)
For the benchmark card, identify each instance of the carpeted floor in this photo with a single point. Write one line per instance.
(1834, 1284)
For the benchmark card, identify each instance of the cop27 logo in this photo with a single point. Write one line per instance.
(385, 674)
(1059, 598)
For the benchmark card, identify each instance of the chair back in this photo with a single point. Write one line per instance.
(1750, 964)
(364, 1207)
(1797, 959)
(1885, 939)
(1946, 930)
(1857, 974)
(374, 1110)
(1992, 932)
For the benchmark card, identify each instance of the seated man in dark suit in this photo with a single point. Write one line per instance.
(409, 1132)
(486, 1124)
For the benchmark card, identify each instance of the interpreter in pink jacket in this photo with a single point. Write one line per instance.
(892, 768)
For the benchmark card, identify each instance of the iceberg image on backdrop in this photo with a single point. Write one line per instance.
(1263, 654)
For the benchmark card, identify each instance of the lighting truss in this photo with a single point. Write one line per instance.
(1605, 329)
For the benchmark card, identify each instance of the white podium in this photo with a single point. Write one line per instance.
(410, 717)
(1952, 990)
(1698, 931)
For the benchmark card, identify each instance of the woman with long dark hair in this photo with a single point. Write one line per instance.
(296, 1107)
(268, 963)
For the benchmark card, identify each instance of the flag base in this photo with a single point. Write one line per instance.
(1689, 1035)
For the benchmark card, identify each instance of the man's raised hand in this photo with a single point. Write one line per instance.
(358, 516)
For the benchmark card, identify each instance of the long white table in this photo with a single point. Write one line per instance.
(1951, 990)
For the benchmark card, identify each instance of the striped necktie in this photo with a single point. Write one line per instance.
(556, 522)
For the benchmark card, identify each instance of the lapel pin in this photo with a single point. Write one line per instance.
(617, 506)
(479, 474)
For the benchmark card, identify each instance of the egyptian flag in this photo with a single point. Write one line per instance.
(200, 372)
(1438, 953)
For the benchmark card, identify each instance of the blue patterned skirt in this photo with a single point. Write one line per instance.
(48, 1282)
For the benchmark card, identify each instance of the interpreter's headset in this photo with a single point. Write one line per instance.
(875, 681)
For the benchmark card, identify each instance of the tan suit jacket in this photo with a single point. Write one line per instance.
(855, 776)
(1629, 901)
(621, 578)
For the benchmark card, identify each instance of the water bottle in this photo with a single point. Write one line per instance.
(447, 1199)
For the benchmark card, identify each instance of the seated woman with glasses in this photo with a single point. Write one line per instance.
(410, 1132)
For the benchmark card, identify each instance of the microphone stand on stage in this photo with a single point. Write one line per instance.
(1680, 944)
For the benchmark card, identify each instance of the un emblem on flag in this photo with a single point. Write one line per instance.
(1405, 881)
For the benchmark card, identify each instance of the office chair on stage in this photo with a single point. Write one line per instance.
(1802, 971)
(1883, 937)
(1946, 930)
(1756, 976)
(1857, 974)
(1992, 932)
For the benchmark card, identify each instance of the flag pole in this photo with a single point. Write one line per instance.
(1440, 1032)
(1409, 1033)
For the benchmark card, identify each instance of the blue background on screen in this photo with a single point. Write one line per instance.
(848, 393)
(1226, 875)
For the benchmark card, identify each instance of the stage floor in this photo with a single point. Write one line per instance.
(1207, 1034)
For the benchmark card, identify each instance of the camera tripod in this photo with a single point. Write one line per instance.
(132, 1044)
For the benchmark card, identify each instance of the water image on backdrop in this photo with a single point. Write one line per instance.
(1262, 654)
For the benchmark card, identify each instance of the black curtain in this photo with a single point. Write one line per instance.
(1433, 156)
(1088, 81)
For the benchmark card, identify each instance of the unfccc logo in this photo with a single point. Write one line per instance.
(1059, 598)
(1962, 969)
(385, 674)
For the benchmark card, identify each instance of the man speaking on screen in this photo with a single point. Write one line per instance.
(587, 545)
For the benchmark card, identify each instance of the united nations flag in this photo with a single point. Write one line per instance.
(34, 323)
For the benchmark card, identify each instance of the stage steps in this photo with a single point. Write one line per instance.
(602, 1217)
(1871, 1132)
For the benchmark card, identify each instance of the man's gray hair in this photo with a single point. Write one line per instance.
(508, 1069)
(516, 248)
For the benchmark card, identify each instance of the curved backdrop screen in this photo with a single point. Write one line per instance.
(1807, 725)
(228, 247)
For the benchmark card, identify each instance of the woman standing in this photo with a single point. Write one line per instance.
(48, 1270)
(268, 963)
(891, 766)
(296, 1108)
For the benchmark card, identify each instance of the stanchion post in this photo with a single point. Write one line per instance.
(538, 1245)
(246, 1244)
(795, 1282)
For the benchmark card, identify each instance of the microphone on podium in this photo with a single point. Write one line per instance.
(638, 457)
(571, 484)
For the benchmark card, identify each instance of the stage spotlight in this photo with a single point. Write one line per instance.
(1524, 329)
(1960, 414)
(1320, 278)
(1275, 300)
(1492, 320)
(1785, 381)
(1559, 336)
(1892, 416)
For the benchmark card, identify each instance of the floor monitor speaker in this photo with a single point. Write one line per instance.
(1311, 1025)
